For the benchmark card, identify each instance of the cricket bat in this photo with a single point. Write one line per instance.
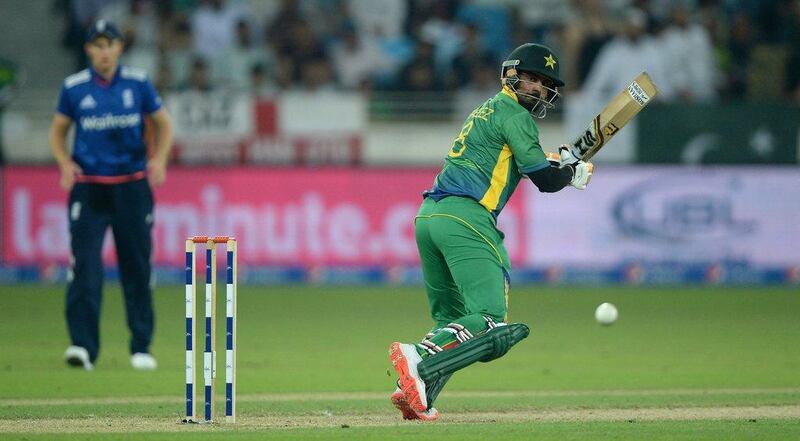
(618, 112)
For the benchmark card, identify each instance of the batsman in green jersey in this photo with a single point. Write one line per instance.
(464, 262)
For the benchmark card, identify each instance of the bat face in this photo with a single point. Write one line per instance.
(621, 109)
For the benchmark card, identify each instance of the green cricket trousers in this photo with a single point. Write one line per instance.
(464, 263)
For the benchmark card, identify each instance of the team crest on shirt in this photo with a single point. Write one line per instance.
(87, 103)
(127, 98)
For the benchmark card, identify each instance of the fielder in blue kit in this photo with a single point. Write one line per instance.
(109, 178)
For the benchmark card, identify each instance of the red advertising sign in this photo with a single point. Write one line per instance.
(281, 216)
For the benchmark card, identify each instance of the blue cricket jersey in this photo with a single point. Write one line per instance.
(109, 119)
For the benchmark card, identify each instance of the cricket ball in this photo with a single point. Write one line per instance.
(606, 314)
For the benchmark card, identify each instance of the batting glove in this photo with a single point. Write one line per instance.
(581, 170)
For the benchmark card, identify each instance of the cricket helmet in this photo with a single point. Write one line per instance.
(537, 59)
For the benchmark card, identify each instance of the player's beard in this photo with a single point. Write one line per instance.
(533, 103)
(529, 100)
(537, 105)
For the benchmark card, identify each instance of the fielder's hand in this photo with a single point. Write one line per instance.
(69, 171)
(156, 172)
(581, 170)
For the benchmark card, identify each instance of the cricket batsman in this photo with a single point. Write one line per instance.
(464, 262)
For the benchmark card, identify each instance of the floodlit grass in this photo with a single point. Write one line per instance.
(312, 357)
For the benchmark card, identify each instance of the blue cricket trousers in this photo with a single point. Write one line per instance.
(128, 209)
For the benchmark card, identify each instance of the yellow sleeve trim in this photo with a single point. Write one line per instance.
(499, 180)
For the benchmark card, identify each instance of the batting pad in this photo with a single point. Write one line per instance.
(433, 388)
(487, 347)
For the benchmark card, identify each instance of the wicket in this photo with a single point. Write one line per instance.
(210, 353)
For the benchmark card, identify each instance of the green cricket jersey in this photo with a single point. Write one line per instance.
(497, 145)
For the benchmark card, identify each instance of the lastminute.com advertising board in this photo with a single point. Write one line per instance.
(632, 224)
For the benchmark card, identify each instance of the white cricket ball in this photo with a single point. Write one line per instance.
(606, 314)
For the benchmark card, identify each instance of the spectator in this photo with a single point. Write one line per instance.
(395, 53)
(232, 66)
(370, 43)
(327, 18)
(144, 21)
(419, 75)
(261, 85)
(305, 48)
(355, 59)
(584, 37)
(316, 75)
(620, 60)
(176, 50)
(740, 46)
(279, 31)
(711, 15)
(688, 45)
(141, 29)
(163, 80)
(136, 54)
(473, 55)
(494, 22)
(284, 73)
(624, 57)
(8, 82)
(379, 18)
(541, 16)
(116, 12)
(483, 83)
(199, 79)
(445, 34)
(772, 20)
(214, 27)
(793, 56)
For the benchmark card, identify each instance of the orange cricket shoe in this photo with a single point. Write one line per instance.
(399, 400)
(404, 358)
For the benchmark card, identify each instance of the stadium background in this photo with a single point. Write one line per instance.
(322, 122)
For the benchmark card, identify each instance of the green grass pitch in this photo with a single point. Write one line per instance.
(681, 363)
